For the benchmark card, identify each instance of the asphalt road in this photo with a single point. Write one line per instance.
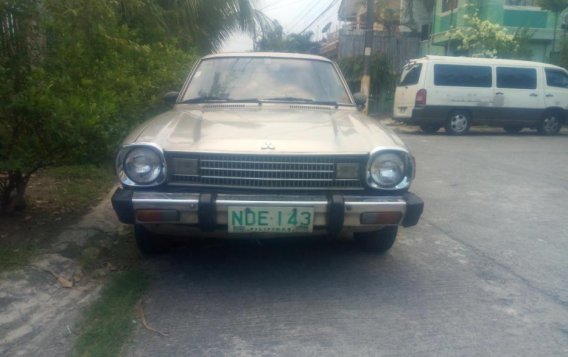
(485, 273)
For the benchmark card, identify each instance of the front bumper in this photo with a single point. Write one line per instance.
(208, 211)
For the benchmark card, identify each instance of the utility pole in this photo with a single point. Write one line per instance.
(366, 79)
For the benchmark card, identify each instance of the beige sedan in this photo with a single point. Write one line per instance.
(264, 145)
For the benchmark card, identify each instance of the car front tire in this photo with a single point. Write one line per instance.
(376, 241)
(550, 124)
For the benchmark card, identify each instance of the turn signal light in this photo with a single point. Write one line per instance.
(390, 218)
(157, 216)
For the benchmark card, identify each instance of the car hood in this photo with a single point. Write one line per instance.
(268, 129)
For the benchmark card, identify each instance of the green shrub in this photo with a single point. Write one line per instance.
(75, 78)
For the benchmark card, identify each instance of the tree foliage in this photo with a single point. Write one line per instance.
(388, 15)
(204, 24)
(383, 78)
(75, 75)
(487, 39)
(274, 39)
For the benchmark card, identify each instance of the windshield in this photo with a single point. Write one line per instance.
(266, 79)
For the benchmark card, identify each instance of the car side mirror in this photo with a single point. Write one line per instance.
(360, 100)
(170, 97)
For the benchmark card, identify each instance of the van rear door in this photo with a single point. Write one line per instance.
(411, 81)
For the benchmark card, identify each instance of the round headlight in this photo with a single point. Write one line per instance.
(143, 165)
(387, 170)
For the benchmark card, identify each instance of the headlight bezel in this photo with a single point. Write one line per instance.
(407, 172)
(124, 153)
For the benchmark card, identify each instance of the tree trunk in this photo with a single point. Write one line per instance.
(12, 195)
(554, 35)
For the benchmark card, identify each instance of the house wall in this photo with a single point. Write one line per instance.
(397, 49)
(540, 22)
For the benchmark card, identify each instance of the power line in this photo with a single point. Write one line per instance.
(306, 14)
(320, 15)
(280, 4)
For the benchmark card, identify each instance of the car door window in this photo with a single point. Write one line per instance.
(518, 78)
(462, 76)
(556, 78)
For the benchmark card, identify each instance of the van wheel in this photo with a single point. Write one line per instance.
(148, 242)
(458, 122)
(430, 128)
(550, 123)
(513, 129)
(377, 241)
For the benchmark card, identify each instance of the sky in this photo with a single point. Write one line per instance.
(294, 16)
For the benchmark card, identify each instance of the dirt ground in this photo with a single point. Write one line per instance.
(61, 250)
(50, 209)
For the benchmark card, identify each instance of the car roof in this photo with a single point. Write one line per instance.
(267, 54)
(479, 60)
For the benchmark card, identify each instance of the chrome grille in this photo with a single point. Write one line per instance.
(266, 171)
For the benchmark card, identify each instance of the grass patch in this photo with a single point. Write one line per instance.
(56, 197)
(108, 323)
(14, 256)
(71, 188)
(107, 254)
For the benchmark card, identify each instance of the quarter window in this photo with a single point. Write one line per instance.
(410, 75)
(519, 78)
(556, 78)
(462, 76)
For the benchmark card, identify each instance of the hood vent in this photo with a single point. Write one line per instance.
(224, 106)
(311, 107)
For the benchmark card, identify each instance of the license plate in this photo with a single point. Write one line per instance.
(270, 219)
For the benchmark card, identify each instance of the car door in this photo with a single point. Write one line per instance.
(556, 88)
(517, 95)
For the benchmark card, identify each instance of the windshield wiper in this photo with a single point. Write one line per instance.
(204, 99)
(289, 99)
(208, 99)
(301, 100)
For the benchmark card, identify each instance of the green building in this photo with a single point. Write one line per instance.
(513, 14)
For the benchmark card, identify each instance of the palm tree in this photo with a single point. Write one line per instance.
(203, 24)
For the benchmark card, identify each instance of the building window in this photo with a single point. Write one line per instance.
(448, 5)
(520, 2)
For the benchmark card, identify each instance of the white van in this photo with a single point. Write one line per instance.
(457, 92)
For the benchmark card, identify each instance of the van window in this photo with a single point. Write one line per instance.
(556, 78)
(410, 74)
(462, 76)
(520, 78)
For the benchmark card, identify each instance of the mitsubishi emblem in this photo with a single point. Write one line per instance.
(267, 146)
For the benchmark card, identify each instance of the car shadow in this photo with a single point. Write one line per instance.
(275, 266)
